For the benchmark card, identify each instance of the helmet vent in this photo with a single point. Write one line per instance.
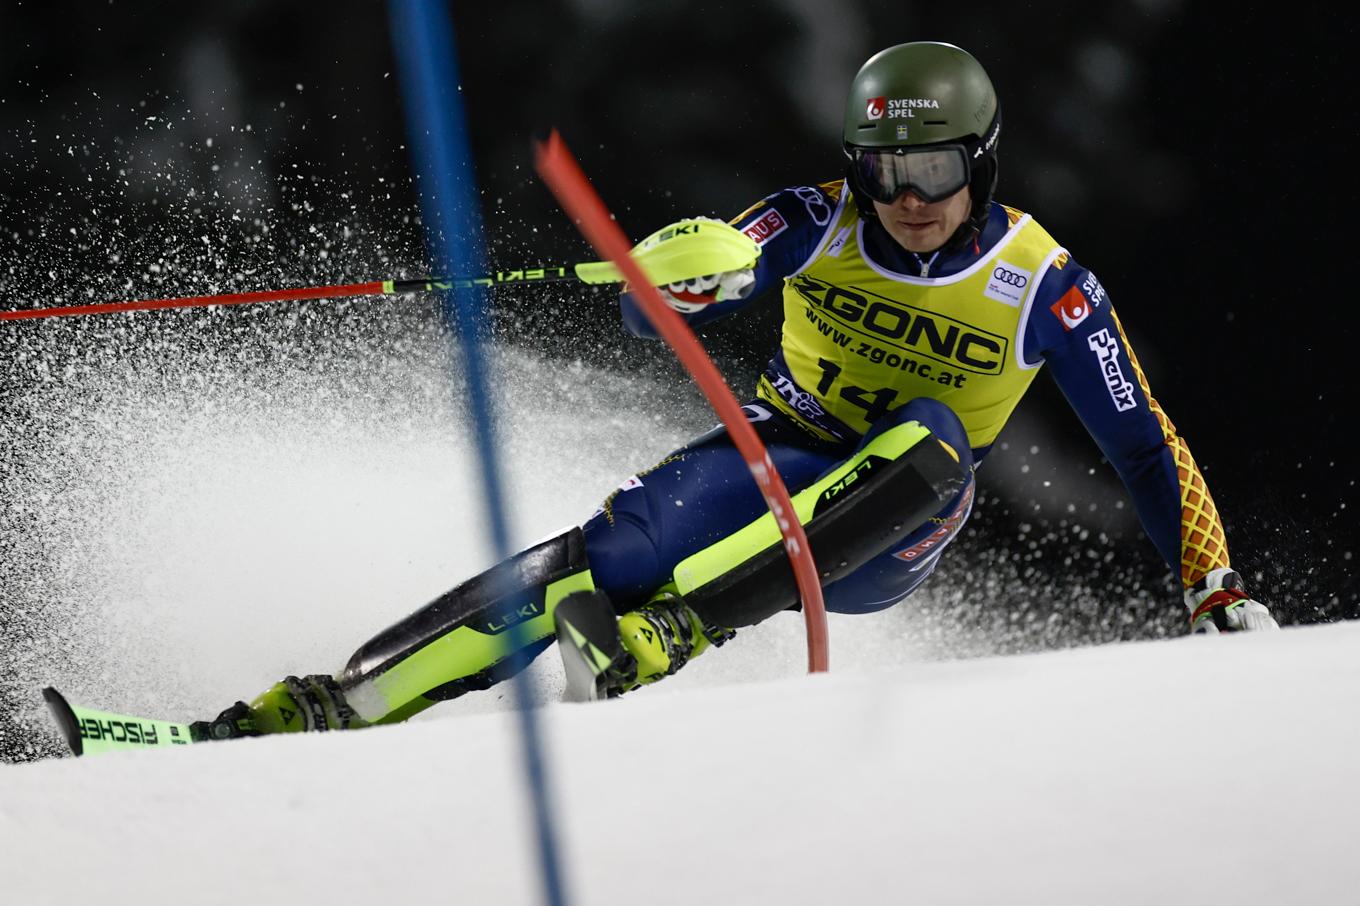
(937, 122)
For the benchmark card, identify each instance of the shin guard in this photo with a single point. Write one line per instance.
(460, 641)
(856, 511)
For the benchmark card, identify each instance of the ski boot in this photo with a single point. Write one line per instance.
(292, 706)
(605, 657)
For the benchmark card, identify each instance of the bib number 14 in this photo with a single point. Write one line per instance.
(875, 403)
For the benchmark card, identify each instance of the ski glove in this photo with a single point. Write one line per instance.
(689, 296)
(693, 295)
(1218, 603)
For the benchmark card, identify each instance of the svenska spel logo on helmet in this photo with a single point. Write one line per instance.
(875, 107)
(899, 108)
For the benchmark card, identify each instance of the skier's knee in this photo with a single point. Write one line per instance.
(934, 416)
(891, 576)
(861, 508)
(623, 556)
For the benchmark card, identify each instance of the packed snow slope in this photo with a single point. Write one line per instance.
(1188, 771)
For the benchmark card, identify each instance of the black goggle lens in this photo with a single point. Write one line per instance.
(934, 174)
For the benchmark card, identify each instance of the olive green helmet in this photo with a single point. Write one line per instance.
(921, 94)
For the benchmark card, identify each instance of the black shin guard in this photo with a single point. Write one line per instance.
(873, 501)
(460, 641)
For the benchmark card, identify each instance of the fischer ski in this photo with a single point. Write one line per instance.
(91, 732)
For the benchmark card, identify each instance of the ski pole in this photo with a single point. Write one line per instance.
(372, 288)
(712, 248)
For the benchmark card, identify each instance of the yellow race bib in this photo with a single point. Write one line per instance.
(860, 340)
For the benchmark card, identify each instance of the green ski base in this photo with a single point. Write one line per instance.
(91, 732)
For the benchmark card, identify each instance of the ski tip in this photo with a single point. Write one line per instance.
(66, 719)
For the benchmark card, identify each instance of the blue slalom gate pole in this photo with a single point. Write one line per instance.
(424, 48)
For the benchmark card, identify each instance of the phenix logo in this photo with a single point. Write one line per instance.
(1106, 348)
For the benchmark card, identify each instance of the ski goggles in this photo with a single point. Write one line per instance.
(933, 173)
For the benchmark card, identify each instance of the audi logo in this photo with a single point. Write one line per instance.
(1011, 277)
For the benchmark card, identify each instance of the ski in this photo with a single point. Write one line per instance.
(91, 732)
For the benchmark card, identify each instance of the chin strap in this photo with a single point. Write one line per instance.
(968, 232)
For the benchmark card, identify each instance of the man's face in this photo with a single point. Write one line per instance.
(921, 227)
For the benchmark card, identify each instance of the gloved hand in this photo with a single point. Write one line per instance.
(692, 295)
(1219, 603)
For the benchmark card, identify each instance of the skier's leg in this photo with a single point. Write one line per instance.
(692, 499)
(457, 643)
(866, 506)
(860, 507)
(636, 624)
(895, 573)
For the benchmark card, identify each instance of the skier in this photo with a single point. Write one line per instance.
(917, 310)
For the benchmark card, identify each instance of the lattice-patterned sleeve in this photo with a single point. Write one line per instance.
(1204, 545)
(1077, 335)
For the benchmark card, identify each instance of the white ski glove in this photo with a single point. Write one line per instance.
(693, 295)
(1218, 603)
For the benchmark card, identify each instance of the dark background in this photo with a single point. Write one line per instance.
(1196, 159)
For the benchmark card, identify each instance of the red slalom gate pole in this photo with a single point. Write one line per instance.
(583, 204)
